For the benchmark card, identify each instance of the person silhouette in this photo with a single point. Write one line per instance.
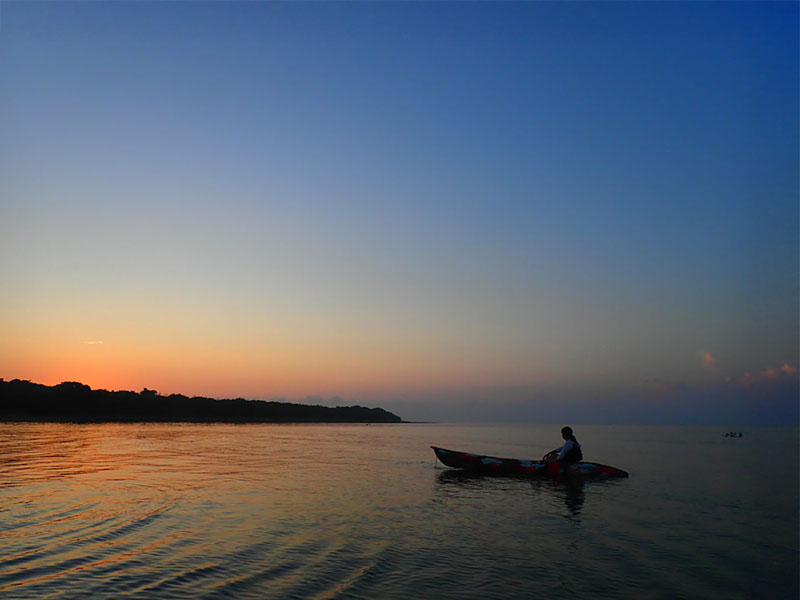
(569, 453)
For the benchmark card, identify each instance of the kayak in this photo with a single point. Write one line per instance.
(492, 465)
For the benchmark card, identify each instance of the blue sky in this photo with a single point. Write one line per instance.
(428, 205)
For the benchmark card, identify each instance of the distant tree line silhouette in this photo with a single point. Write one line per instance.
(22, 400)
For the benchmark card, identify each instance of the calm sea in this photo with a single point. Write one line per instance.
(352, 511)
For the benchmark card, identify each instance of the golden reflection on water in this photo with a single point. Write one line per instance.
(118, 498)
(344, 511)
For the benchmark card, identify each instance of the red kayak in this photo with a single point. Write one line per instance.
(492, 465)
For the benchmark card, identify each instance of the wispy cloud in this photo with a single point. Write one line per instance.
(785, 371)
(94, 343)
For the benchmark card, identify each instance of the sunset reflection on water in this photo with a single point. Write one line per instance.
(145, 507)
(347, 511)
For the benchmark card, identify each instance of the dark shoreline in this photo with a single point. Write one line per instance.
(72, 402)
(27, 419)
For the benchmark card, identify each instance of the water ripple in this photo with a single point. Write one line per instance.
(344, 512)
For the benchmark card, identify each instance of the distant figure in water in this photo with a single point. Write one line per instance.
(569, 453)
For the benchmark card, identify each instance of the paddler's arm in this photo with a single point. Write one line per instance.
(552, 454)
(562, 452)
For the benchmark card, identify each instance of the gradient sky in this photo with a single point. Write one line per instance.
(529, 211)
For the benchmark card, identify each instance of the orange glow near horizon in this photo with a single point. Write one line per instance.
(224, 347)
(219, 346)
(227, 378)
(293, 364)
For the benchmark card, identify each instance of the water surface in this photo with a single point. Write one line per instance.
(351, 511)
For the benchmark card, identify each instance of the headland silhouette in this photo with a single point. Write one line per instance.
(22, 400)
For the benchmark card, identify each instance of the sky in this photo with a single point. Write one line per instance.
(546, 212)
